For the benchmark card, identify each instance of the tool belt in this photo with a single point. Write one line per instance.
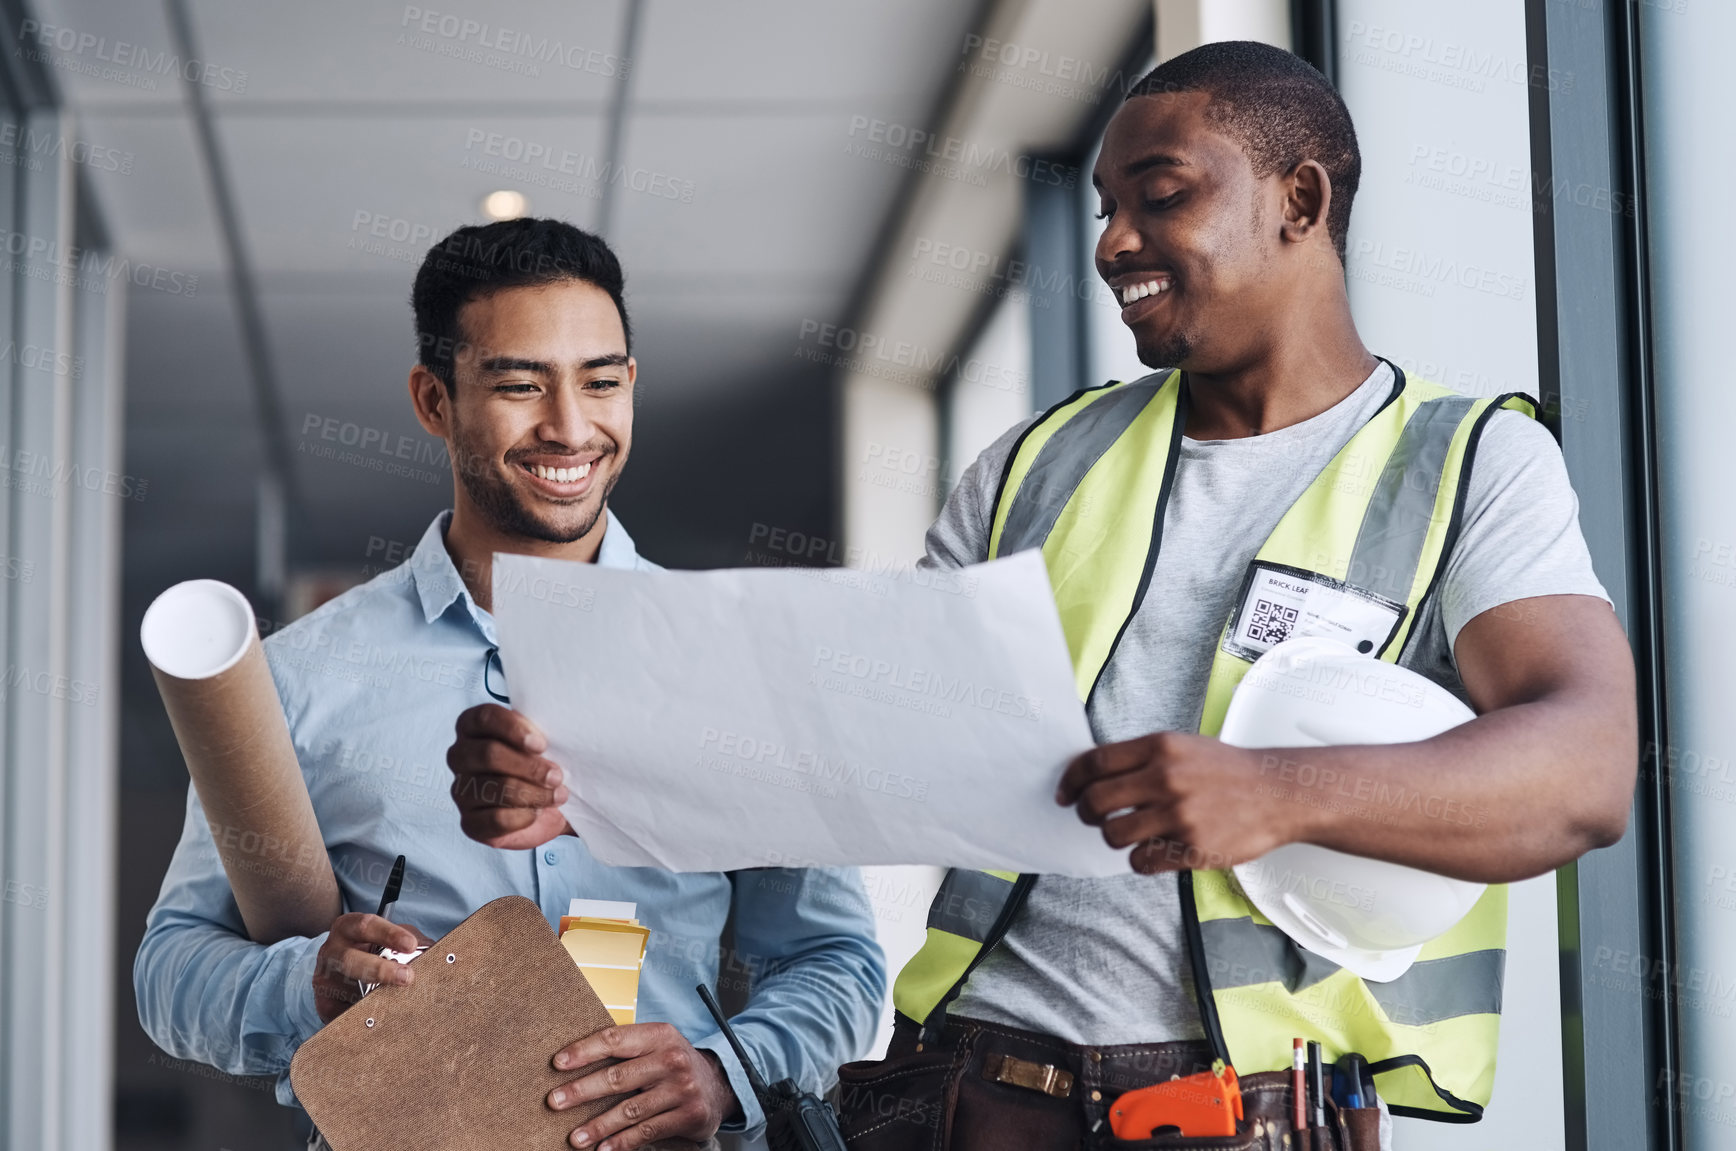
(987, 1087)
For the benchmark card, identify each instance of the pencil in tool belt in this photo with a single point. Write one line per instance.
(1298, 1089)
(1317, 1083)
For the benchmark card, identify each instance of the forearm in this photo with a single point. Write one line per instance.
(1512, 794)
(818, 977)
(808, 1018)
(209, 995)
(205, 991)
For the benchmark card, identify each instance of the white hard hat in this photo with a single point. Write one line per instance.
(1368, 916)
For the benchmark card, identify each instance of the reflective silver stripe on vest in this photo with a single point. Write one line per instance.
(968, 903)
(1436, 989)
(1062, 462)
(1241, 953)
(1389, 544)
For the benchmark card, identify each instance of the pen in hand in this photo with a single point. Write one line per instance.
(394, 884)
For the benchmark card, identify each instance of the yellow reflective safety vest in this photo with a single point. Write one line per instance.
(1089, 483)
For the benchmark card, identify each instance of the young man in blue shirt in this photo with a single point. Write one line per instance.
(526, 372)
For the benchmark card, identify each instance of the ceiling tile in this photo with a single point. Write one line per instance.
(360, 193)
(342, 51)
(769, 194)
(888, 54)
(100, 52)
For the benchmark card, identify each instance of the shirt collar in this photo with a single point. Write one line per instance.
(618, 549)
(438, 583)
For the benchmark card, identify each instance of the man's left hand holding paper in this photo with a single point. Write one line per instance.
(508, 795)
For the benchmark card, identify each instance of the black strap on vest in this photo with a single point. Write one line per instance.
(1196, 953)
(1458, 521)
(1468, 1112)
(936, 1020)
(1163, 493)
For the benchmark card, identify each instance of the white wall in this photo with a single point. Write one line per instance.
(1690, 170)
(1440, 261)
(994, 390)
(59, 608)
(1441, 281)
(1184, 24)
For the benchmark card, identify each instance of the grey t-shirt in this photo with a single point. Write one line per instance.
(1103, 961)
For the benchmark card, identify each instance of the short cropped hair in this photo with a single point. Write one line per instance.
(479, 259)
(1278, 107)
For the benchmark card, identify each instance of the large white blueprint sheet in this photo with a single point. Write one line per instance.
(718, 720)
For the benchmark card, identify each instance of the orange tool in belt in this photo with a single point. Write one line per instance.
(1205, 1104)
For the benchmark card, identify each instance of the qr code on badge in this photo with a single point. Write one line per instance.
(1272, 622)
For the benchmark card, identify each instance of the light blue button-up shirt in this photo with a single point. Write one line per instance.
(372, 684)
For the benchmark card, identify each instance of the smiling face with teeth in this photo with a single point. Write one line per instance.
(539, 420)
(1204, 256)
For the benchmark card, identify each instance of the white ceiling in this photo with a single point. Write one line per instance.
(344, 111)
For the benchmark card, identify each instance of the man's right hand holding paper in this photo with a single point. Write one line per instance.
(508, 795)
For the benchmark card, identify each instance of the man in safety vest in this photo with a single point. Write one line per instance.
(1271, 474)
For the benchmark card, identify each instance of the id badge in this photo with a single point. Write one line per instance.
(1280, 603)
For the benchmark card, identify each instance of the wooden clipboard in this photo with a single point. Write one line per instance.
(462, 1059)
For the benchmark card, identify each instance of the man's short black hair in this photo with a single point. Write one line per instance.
(1278, 107)
(479, 259)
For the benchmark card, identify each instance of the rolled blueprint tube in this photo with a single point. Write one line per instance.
(210, 668)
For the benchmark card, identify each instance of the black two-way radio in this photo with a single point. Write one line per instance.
(796, 1120)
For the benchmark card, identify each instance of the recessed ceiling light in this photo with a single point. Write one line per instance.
(505, 204)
